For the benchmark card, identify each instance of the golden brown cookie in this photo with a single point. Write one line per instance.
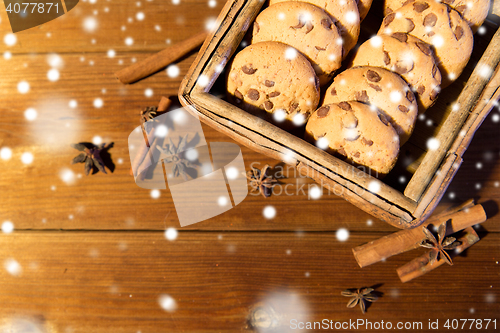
(473, 11)
(381, 88)
(363, 8)
(407, 56)
(357, 131)
(440, 26)
(276, 78)
(305, 27)
(344, 14)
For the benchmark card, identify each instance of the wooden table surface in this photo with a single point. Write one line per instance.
(90, 254)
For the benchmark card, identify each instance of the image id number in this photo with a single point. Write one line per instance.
(35, 7)
(470, 324)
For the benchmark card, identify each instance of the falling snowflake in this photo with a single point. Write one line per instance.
(433, 144)
(167, 303)
(222, 201)
(232, 173)
(437, 41)
(315, 192)
(322, 143)
(279, 115)
(10, 39)
(173, 71)
(299, 119)
(395, 96)
(376, 41)
(27, 158)
(155, 194)
(351, 17)
(269, 212)
(12, 267)
(7, 227)
(53, 75)
(290, 53)
(23, 87)
(140, 16)
(5, 153)
(129, 41)
(98, 103)
(203, 81)
(90, 24)
(342, 234)
(97, 140)
(374, 186)
(171, 234)
(54, 60)
(67, 176)
(30, 114)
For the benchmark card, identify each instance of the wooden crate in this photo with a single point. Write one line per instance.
(430, 173)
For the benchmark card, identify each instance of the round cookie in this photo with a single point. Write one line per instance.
(381, 88)
(437, 25)
(474, 12)
(305, 27)
(363, 8)
(356, 131)
(409, 57)
(276, 78)
(344, 14)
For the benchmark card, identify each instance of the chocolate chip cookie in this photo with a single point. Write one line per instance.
(381, 88)
(474, 12)
(276, 78)
(356, 131)
(344, 14)
(440, 26)
(305, 27)
(407, 56)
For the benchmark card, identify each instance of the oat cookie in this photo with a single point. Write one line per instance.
(305, 27)
(357, 131)
(276, 78)
(344, 14)
(473, 11)
(407, 56)
(381, 88)
(440, 26)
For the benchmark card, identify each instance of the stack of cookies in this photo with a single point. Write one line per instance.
(370, 109)
(296, 47)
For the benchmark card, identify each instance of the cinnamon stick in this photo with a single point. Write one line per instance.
(139, 159)
(409, 239)
(421, 265)
(160, 60)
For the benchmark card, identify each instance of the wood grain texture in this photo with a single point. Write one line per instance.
(112, 281)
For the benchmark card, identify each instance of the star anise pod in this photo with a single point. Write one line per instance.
(148, 113)
(439, 246)
(91, 155)
(359, 296)
(260, 181)
(175, 155)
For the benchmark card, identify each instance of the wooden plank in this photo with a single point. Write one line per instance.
(112, 281)
(115, 21)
